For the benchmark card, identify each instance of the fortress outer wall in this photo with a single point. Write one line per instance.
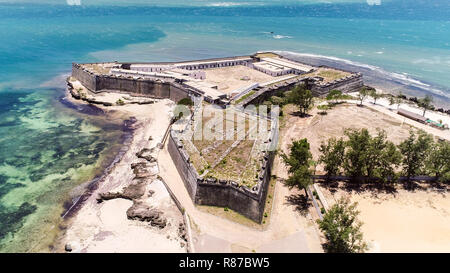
(227, 194)
(144, 87)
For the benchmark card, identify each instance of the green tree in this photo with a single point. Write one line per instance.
(277, 100)
(355, 159)
(298, 162)
(389, 160)
(300, 178)
(334, 95)
(391, 100)
(363, 93)
(438, 163)
(342, 229)
(425, 103)
(398, 101)
(373, 93)
(301, 97)
(415, 150)
(332, 156)
(186, 101)
(382, 157)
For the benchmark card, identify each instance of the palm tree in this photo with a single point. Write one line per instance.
(374, 95)
(392, 100)
(362, 95)
(425, 103)
(398, 101)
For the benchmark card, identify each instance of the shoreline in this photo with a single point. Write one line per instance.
(130, 126)
(87, 224)
(379, 78)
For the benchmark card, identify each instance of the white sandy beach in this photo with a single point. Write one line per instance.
(406, 221)
(104, 227)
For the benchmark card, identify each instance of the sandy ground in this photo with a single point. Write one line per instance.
(229, 79)
(383, 106)
(402, 222)
(104, 227)
(324, 127)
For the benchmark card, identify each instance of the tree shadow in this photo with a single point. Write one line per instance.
(412, 186)
(300, 201)
(358, 187)
(300, 114)
(331, 186)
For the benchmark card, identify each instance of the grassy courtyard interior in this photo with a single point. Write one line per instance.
(236, 151)
(328, 74)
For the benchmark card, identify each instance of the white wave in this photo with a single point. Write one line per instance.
(226, 4)
(402, 78)
(73, 2)
(332, 58)
(281, 36)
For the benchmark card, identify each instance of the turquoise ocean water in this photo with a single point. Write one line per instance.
(48, 150)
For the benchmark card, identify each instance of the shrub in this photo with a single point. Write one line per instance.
(186, 101)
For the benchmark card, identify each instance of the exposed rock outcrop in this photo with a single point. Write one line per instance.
(142, 212)
(141, 170)
(131, 192)
(146, 154)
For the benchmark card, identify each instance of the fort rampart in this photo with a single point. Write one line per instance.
(222, 193)
(249, 202)
(351, 83)
(156, 88)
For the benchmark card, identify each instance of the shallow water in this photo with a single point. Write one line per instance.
(46, 151)
(49, 148)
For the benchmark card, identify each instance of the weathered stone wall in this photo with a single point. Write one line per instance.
(352, 83)
(248, 202)
(88, 79)
(211, 192)
(266, 92)
(146, 87)
(181, 160)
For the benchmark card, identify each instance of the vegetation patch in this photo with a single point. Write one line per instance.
(244, 97)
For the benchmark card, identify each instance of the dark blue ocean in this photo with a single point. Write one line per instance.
(47, 150)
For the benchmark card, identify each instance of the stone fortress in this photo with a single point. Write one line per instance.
(231, 174)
